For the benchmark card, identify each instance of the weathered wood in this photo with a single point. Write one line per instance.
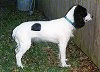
(86, 38)
(97, 33)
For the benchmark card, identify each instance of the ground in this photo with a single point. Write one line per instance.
(41, 57)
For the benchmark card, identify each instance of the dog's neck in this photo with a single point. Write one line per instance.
(70, 14)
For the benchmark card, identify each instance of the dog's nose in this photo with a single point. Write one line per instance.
(92, 16)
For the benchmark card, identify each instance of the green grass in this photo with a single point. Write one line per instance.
(41, 57)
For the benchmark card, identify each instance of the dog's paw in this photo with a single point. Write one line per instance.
(21, 66)
(65, 65)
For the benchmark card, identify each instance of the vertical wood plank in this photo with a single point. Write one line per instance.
(97, 33)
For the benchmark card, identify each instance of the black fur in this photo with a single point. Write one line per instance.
(36, 27)
(79, 14)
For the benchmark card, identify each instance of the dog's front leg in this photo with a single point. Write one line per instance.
(62, 49)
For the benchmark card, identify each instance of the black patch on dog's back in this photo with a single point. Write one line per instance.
(36, 27)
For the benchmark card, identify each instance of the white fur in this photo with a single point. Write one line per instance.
(57, 31)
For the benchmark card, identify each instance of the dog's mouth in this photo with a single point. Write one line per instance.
(88, 20)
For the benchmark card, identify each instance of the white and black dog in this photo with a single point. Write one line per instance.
(57, 31)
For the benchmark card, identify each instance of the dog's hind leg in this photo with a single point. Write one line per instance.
(23, 48)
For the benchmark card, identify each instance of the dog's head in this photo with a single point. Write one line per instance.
(81, 16)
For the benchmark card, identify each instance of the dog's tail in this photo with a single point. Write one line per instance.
(14, 33)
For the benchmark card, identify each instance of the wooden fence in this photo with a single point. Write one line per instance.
(87, 38)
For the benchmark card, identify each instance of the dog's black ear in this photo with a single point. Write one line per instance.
(79, 14)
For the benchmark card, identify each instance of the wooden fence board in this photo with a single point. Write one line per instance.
(97, 34)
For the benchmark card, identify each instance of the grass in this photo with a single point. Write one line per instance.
(41, 57)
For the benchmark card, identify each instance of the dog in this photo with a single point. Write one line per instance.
(58, 31)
